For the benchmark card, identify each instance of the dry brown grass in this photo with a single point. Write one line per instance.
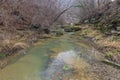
(21, 45)
(106, 43)
(100, 38)
(80, 72)
(10, 47)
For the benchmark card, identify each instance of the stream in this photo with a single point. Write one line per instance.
(58, 59)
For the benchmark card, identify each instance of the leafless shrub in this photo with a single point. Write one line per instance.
(21, 14)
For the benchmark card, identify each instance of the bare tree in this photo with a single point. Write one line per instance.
(90, 8)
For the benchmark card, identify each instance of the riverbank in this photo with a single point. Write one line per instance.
(56, 58)
(14, 45)
(108, 66)
(109, 45)
(62, 51)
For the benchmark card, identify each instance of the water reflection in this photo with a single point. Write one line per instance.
(70, 58)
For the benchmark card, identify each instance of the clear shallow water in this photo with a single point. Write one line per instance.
(29, 66)
(69, 58)
(37, 65)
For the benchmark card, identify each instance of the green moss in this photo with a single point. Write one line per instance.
(67, 26)
(115, 21)
(2, 55)
(66, 67)
(76, 26)
(86, 31)
(118, 50)
(59, 33)
(109, 55)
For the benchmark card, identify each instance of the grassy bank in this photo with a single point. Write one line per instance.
(15, 44)
(109, 45)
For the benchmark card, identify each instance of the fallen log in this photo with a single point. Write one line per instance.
(111, 63)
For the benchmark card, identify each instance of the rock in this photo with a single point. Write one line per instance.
(86, 21)
(113, 31)
(118, 32)
(35, 26)
(72, 29)
(68, 30)
(76, 28)
(47, 31)
(118, 28)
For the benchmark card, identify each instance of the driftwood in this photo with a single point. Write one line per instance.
(111, 63)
